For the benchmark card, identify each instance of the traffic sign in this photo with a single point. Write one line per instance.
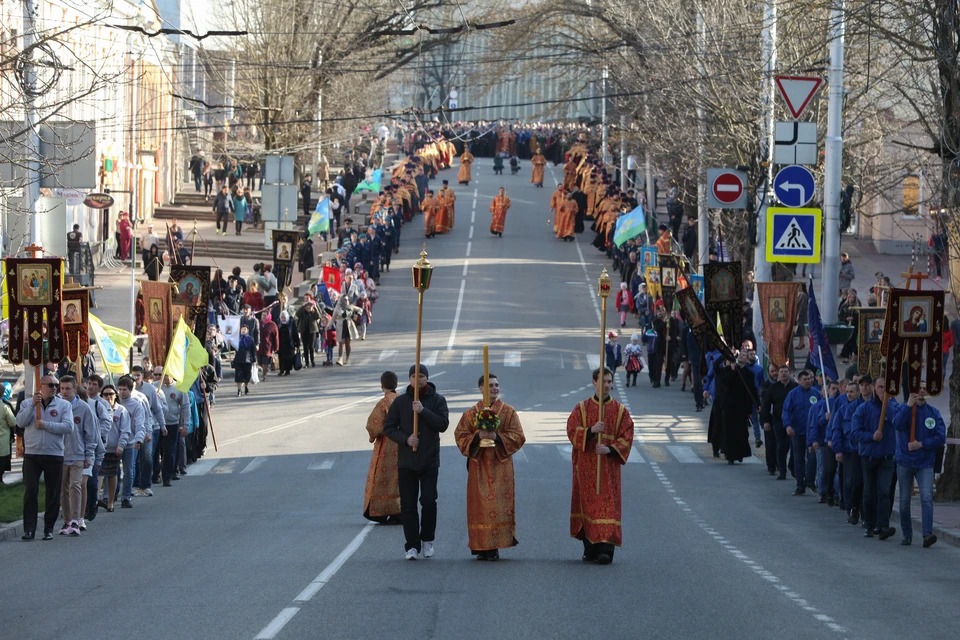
(797, 92)
(795, 143)
(793, 235)
(794, 186)
(726, 189)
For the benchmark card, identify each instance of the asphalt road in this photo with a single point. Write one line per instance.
(265, 538)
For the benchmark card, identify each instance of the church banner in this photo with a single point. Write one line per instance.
(648, 258)
(34, 291)
(723, 297)
(284, 253)
(704, 331)
(778, 308)
(192, 290)
(156, 318)
(76, 307)
(913, 332)
(669, 267)
(870, 335)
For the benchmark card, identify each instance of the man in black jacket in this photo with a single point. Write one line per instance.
(689, 241)
(418, 459)
(771, 416)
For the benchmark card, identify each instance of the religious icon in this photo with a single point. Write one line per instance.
(875, 333)
(697, 283)
(723, 287)
(189, 291)
(179, 311)
(156, 310)
(692, 313)
(35, 286)
(284, 250)
(71, 313)
(777, 313)
(914, 315)
(669, 277)
(654, 276)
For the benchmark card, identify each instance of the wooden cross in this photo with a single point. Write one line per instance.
(911, 276)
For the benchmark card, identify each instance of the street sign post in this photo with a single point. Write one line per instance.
(793, 235)
(794, 186)
(797, 92)
(726, 189)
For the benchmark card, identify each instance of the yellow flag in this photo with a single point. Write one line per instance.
(185, 358)
(114, 345)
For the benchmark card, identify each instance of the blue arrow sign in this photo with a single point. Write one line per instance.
(794, 186)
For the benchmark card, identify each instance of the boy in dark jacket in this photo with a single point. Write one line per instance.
(418, 459)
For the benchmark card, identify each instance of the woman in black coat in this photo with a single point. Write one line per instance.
(243, 361)
(305, 255)
(730, 415)
(154, 265)
(289, 343)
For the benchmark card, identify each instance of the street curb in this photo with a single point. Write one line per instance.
(11, 531)
(944, 534)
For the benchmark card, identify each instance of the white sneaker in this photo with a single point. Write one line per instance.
(148, 493)
(427, 549)
(138, 493)
(411, 554)
(83, 524)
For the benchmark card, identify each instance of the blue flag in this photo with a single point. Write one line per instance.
(320, 220)
(370, 184)
(815, 326)
(630, 226)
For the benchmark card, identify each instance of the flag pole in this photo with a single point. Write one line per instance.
(825, 381)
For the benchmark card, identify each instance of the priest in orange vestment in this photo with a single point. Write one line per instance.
(447, 199)
(556, 201)
(567, 219)
(381, 498)
(491, 516)
(431, 209)
(465, 174)
(570, 175)
(539, 163)
(499, 207)
(595, 519)
(664, 242)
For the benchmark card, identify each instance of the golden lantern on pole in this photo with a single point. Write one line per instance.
(603, 290)
(486, 443)
(422, 273)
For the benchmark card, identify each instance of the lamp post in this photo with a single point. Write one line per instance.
(422, 272)
(603, 290)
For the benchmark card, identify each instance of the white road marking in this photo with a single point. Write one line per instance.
(431, 359)
(593, 361)
(466, 263)
(511, 359)
(271, 630)
(201, 467)
(255, 464)
(470, 357)
(456, 316)
(521, 455)
(225, 466)
(470, 237)
(298, 421)
(322, 465)
(752, 460)
(635, 457)
(684, 454)
(332, 568)
(386, 354)
(469, 246)
(590, 283)
(565, 451)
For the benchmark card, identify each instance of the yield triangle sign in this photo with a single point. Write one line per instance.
(797, 92)
(793, 238)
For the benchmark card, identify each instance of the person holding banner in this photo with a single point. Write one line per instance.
(920, 431)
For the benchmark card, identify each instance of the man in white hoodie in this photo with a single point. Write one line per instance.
(43, 454)
(79, 452)
(103, 416)
(138, 427)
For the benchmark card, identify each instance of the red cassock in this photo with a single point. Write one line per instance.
(597, 517)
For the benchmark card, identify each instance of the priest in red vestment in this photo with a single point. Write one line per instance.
(491, 515)
(595, 517)
(498, 209)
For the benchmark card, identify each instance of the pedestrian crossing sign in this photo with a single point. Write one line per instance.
(793, 235)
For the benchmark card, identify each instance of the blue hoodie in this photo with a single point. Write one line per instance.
(796, 409)
(931, 433)
(835, 425)
(712, 357)
(817, 423)
(866, 419)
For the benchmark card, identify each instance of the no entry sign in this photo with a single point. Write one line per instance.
(726, 189)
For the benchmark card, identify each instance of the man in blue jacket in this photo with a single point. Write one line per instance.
(796, 412)
(818, 445)
(915, 460)
(876, 447)
(834, 431)
(753, 364)
(852, 467)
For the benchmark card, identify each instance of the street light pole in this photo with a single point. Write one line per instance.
(833, 166)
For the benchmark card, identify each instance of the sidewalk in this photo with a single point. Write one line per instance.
(946, 520)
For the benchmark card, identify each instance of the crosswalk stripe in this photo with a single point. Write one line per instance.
(470, 357)
(565, 451)
(593, 361)
(577, 362)
(255, 464)
(387, 354)
(684, 454)
(656, 453)
(521, 455)
(511, 359)
(202, 467)
(635, 457)
(753, 460)
(322, 465)
(226, 466)
(431, 359)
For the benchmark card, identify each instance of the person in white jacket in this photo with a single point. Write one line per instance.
(116, 442)
(79, 453)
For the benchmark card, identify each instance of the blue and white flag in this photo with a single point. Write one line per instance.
(630, 226)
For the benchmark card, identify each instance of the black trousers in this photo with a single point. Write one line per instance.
(656, 367)
(770, 448)
(170, 445)
(592, 549)
(784, 443)
(829, 470)
(852, 482)
(422, 527)
(308, 340)
(224, 217)
(52, 468)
